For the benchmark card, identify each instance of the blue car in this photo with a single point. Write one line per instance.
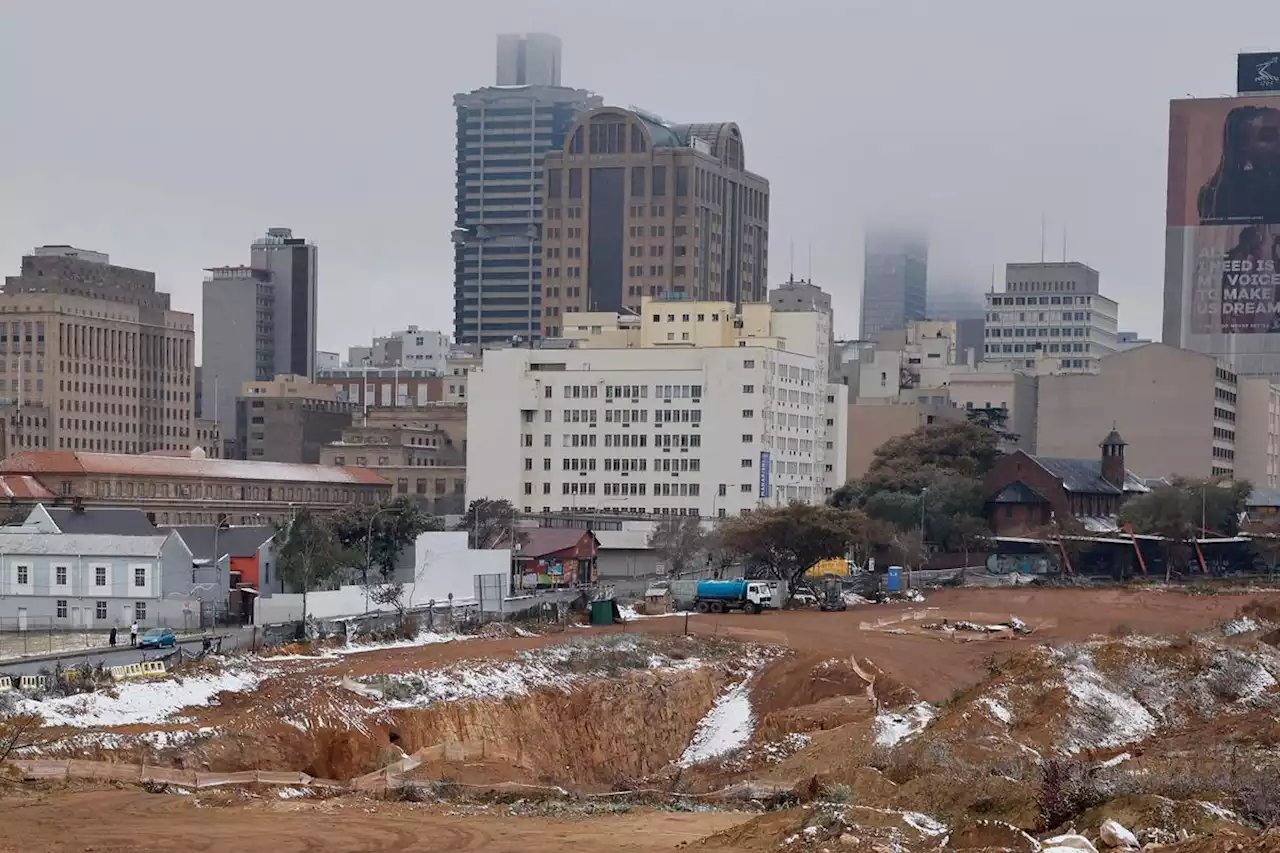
(157, 638)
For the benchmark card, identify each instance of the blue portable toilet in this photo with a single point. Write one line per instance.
(893, 581)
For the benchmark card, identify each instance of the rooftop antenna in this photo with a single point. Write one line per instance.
(810, 264)
(1043, 225)
(791, 262)
(1064, 243)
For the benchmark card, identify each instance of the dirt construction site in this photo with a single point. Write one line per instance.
(1028, 719)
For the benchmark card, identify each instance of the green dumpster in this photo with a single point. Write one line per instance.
(602, 612)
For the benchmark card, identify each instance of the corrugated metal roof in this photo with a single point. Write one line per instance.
(117, 521)
(23, 487)
(538, 541)
(76, 462)
(623, 540)
(1084, 476)
(82, 544)
(232, 541)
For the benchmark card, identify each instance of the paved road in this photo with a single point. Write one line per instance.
(120, 656)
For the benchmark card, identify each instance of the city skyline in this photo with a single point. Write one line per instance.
(381, 206)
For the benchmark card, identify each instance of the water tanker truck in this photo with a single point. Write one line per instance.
(721, 596)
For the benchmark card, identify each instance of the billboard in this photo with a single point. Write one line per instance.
(766, 471)
(1223, 240)
(1257, 72)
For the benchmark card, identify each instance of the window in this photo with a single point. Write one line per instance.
(139, 576)
(659, 180)
(749, 364)
(140, 611)
(575, 183)
(748, 389)
(100, 610)
(100, 576)
(748, 413)
(747, 438)
(746, 463)
(745, 488)
(24, 575)
(62, 608)
(60, 575)
(637, 181)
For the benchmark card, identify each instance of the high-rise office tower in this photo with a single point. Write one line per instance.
(638, 207)
(259, 322)
(503, 133)
(895, 280)
(528, 59)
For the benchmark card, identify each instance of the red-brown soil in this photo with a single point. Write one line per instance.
(131, 821)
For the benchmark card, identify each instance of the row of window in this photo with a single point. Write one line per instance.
(1041, 332)
(1042, 300)
(22, 576)
(100, 609)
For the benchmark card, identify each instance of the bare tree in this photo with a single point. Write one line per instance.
(20, 732)
(678, 540)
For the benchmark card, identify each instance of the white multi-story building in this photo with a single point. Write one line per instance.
(689, 409)
(1050, 312)
(411, 348)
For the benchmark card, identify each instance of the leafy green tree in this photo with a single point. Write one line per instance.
(679, 541)
(487, 522)
(787, 541)
(310, 555)
(395, 524)
(1220, 501)
(911, 462)
(1170, 512)
(994, 418)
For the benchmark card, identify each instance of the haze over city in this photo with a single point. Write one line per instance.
(170, 136)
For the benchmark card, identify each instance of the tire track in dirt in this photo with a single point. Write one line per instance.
(115, 821)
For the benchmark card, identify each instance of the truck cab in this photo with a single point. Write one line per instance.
(759, 594)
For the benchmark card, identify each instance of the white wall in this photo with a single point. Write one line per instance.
(442, 565)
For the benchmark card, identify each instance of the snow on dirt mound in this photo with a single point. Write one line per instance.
(726, 727)
(1105, 694)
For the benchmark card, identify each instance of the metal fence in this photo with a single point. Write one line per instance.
(37, 635)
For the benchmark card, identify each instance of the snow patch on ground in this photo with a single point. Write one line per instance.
(1000, 712)
(293, 793)
(1104, 716)
(138, 701)
(726, 727)
(628, 612)
(893, 729)
(1243, 625)
(1215, 810)
(924, 824)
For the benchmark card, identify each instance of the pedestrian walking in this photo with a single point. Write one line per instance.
(112, 637)
(133, 634)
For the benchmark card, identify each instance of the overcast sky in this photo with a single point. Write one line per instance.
(169, 134)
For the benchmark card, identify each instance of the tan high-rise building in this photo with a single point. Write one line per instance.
(637, 207)
(93, 358)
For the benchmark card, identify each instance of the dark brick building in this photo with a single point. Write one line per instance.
(1024, 492)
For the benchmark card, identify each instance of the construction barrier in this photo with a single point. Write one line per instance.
(33, 682)
(6, 683)
(137, 670)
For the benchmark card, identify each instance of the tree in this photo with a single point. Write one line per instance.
(787, 541)
(1265, 535)
(994, 418)
(487, 522)
(1169, 512)
(311, 555)
(679, 540)
(968, 533)
(910, 462)
(19, 732)
(1219, 502)
(395, 524)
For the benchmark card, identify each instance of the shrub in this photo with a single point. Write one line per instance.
(1067, 788)
(1231, 678)
(1121, 629)
(838, 793)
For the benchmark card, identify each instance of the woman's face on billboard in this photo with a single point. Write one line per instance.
(1262, 138)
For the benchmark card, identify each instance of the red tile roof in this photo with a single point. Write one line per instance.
(75, 462)
(22, 487)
